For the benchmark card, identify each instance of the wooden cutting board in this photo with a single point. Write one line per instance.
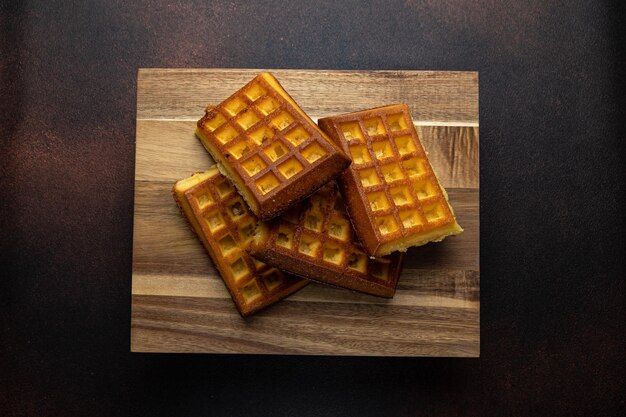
(179, 303)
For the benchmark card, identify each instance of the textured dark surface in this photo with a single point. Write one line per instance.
(552, 205)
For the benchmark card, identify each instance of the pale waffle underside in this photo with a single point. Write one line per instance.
(226, 227)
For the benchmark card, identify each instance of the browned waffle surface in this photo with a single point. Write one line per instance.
(393, 196)
(225, 226)
(315, 240)
(269, 147)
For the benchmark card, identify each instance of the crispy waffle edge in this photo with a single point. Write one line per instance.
(297, 190)
(353, 193)
(243, 310)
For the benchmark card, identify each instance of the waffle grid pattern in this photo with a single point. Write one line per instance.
(229, 227)
(268, 143)
(398, 186)
(321, 232)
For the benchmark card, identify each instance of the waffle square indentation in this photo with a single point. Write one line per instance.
(360, 154)
(357, 261)
(401, 196)
(369, 177)
(272, 279)
(424, 189)
(282, 121)
(382, 150)
(240, 149)
(251, 291)
(215, 221)
(203, 199)
(254, 91)
(374, 126)
(313, 152)
(225, 134)
(308, 245)
(378, 201)
(227, 244)
(386, 225)
(414, 167)
(396, 122)
(235, 105)
(261, 135)
(433, 212)
(333, 253)
(339, 228)
(409, 219)
(239, 269)
(313, 221)
(284, 237)
(267, 183)
(290, 167)
(247, 119)
(253, 165)
(275, 151)
(267, 105)
(224, 188)
(297, 136)
(391, 172)
(236, 209)
(247, 231)
(379, 268)
(351, 131)
(405, 144)
(213, 123)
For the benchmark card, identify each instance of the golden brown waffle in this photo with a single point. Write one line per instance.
(269, 148)
(225, 226)
(392, 194)
(315, 240)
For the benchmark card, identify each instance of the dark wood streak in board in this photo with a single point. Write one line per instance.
(179, 304)
(282, 332)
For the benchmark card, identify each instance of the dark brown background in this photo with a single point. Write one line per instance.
(552, 205)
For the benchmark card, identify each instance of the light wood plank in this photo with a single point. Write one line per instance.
(433, 96)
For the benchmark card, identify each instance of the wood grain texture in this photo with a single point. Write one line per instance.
(179, 303)
(435, 97)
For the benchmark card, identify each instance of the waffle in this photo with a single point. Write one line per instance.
(315, 241)
(225, 226)
(271, 150)
(393, 196)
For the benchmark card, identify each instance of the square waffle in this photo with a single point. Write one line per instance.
(271, 150)
(315, 240)
(225, 226)
(393, 196)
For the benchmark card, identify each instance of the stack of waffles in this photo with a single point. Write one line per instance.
(291, 202)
